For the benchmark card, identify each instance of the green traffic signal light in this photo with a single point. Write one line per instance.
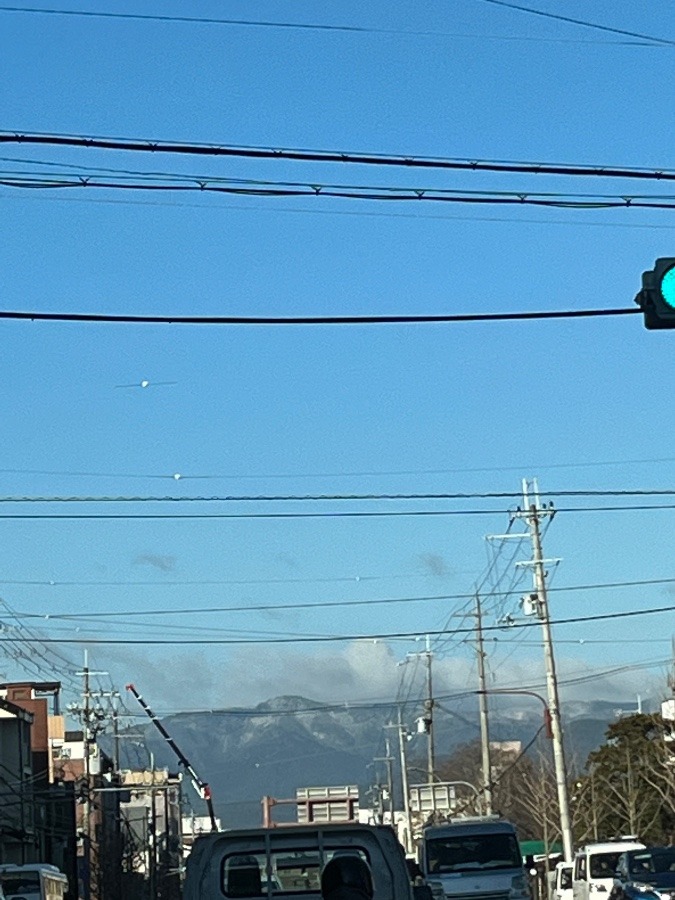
(667, 286)
(657, 297)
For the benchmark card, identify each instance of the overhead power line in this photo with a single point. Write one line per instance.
(348, 192)
(284, 498)
(652, 39)
(412, 161)
(371, 473)
(314, 639)
(307, 26)
(320, 604)
(38, 316)
(350, 514)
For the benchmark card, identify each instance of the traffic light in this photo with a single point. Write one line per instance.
(657, 297)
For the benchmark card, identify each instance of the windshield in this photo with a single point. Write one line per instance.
(603, 865)
(471, 852)
(566, 878)
(653, 863)
(27, 882)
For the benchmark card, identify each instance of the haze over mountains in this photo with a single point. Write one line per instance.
(291, 741)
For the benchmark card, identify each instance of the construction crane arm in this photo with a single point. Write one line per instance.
(200, 785)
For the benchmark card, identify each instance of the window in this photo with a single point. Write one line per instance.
(470, 853)
(293, 872)
(23, 883)
(580, 869)
(603, 865)
(565, 879)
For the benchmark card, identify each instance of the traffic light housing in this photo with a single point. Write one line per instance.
(657, 297)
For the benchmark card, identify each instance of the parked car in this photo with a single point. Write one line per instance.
(645, 874)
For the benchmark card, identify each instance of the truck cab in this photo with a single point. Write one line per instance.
(286, 862)
(474, 859)
(595, 865)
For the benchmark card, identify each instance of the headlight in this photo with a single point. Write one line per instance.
(643, 888)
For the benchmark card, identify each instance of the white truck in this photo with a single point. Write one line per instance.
(261, 863)
(474, 859)
(595, 865)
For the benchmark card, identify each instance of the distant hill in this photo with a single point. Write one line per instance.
(291, 742)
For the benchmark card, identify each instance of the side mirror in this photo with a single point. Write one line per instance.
(414, 870)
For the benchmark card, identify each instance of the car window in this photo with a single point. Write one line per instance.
(603, 865)
(247, 875)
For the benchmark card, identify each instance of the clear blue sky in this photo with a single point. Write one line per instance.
(315, 410)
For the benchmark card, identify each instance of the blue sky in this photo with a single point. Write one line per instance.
(466, 408)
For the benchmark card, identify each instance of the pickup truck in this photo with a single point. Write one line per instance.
(264, 863)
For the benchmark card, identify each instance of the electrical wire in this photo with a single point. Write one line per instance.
(40, 316)
(275, 498)
(145, 145)
(168, 181)
(348, 192)
(652, 39)
(645, 507)
(177, 476)
(311, 26)
(358, 213)
(380, 636)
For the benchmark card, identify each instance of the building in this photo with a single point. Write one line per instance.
(52, 805)
(151, 829)
(18, 837)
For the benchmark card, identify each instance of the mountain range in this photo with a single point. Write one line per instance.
(290, 742)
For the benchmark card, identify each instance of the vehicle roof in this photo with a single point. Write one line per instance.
(293, 828)
(610, 846)
(15, 868)
(642, 851)
(470, 826)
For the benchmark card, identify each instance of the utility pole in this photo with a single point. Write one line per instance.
(427, 718)
(388, 759)
(405, 789)
(429, 708)
(483, 708)
(533, 513)
(90, 717)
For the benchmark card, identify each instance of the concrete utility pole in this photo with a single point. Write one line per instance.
(428, 716)
(533, 513)
(388, 759)
(88, 715)
(405, 788)
(483, 708)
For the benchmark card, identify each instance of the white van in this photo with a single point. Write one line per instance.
(595, 865)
